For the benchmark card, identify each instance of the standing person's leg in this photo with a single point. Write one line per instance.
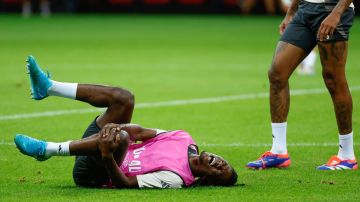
(295, 44)
(333, 59)
(286, 59)
(333, 49)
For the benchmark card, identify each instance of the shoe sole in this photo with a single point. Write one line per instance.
(284, 165)
(34, 94)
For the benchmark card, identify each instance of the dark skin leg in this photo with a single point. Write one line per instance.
(120, 106)
(287, 57)
(119, 102)
(333, 57)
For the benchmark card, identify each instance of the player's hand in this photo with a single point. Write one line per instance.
(109, 141)
(285, 23)
(328, 26)
(106, 129)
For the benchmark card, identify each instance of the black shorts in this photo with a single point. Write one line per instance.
(302, 30)
(90, 171)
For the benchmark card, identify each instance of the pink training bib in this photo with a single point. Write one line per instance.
(167, 151)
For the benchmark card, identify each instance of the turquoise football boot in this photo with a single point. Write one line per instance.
(39, 80)
(31, 147)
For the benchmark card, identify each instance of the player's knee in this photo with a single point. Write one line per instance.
(123, 97)
(329, 79)
(124, 138)
(276, 78)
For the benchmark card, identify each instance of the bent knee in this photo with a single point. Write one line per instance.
(124, 138)
(123, 97)
(334, 82)
(277, 79)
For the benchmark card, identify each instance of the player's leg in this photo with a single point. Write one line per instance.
(119, 102)
(88, 170)
(88, 146)
(296, 42)
(286, 59)
(333, 57)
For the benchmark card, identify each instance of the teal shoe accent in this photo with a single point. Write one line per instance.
(39, 80)
(31, 147)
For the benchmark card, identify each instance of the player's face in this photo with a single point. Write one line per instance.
(214, 166)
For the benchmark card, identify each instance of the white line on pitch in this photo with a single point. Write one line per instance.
(167, 103)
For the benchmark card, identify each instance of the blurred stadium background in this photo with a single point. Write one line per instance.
(149, 6)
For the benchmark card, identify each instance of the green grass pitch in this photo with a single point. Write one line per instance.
(167, 58)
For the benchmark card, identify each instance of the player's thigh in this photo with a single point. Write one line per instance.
(333, 52)
(295, 44)
(333, 56)
(287, 57)
(116, 114)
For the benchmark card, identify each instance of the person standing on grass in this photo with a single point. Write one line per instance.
(308, 23)
(107, 155)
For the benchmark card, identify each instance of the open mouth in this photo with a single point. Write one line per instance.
(211, 160)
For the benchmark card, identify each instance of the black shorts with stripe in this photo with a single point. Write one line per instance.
(302, 30)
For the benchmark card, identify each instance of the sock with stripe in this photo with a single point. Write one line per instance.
(279, 138)
(57, 149)
(346, 147)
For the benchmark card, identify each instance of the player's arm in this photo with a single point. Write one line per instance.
(118, 178)
(329, 24)
(108, 143)
(289, 15)
(136, 132)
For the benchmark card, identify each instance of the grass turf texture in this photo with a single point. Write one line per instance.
(162, 58)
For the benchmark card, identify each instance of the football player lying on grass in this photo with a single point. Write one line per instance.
(107, 155)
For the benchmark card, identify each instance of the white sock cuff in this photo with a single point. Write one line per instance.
(279, 125)
(346, 136)
(64, 149)
(63, 89)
